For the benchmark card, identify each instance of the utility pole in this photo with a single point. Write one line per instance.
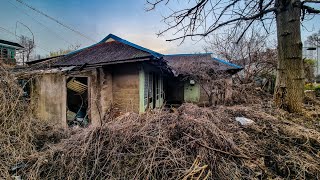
(317, 58)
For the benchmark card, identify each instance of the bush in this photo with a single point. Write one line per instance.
(309, 65)
(318, 78)
(309, 86)
(317, 89)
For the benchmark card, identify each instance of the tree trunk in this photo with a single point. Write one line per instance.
(210, 99)
(290, 73)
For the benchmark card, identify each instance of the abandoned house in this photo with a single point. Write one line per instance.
(190, 81)
(84, 84)
(8, 51)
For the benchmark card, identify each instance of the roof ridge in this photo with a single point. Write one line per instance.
(188, 54)
(10, 43)
(117, 38)
(227, 63)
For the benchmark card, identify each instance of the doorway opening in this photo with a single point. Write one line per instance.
(77, 101)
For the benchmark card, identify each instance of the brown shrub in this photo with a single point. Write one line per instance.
(193, 141)
(19, 132)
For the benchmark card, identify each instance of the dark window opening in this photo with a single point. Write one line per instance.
(4, 53)
(77, 101)
(26, 87)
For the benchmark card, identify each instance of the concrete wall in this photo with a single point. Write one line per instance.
(117, 85)
(50, 97)
(125, 87)
(100, 94)
(191, 92)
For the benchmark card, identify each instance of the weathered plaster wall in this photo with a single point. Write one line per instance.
(191, 92)
(51, 98)
(100, 94)
(117, 85)
(125, 87)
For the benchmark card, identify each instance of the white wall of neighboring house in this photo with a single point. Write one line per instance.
(312, 54)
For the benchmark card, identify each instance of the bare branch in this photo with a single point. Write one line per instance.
(226, 23)
(310, 1)
(310, 10)
(153, 5)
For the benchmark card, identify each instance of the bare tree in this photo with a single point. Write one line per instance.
(64, 51)
(253, 52)
(202, 17)
(24, 54)
(314, 39)
(309, 66)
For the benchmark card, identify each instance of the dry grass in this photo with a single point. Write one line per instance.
(190, 143)
(20, 134)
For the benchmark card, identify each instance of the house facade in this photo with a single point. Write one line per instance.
(8, 51)
(84, 85)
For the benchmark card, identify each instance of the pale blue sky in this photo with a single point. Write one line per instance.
(96, 19)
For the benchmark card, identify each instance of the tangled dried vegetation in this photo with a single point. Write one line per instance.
(20, 134)
(188, 143)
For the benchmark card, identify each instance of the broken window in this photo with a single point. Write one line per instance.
(26, 87)
(77, 101)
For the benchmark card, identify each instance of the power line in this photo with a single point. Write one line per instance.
(41, 23)
(6, 30)
(55, 20)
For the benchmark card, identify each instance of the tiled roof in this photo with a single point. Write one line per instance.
(111, 49)
(116, 38)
